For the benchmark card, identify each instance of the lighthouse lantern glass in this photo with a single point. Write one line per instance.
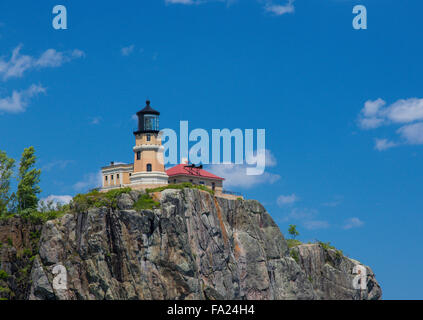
(151, 122)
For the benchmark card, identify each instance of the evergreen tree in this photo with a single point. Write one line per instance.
(6, 171)
(29, 177)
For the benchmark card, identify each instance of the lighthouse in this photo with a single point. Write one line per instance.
(148, 150)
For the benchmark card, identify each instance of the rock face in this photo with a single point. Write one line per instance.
(332, 274)
(195, 246)
(18, 242)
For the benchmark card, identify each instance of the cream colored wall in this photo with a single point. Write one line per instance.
(154, 157)
(123, 178)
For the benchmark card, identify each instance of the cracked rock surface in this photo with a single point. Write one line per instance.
(195, 246)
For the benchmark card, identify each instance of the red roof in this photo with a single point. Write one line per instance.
(181, 169)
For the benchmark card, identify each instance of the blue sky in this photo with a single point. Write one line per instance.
(341, 107)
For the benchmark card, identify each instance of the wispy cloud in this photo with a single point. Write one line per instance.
(408, 113)
(316, 224)
(287, 200)
(183, 2)
(57, 199)
(384, 144)
(96, 120)
(61, 164)
(334, 203)
(89, 181)
(19, 63)
(308, 218)
(353, 223)
(19, 100)
(280, 9)
(274, 7)
(126, 51)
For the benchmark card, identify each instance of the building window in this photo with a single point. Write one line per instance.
(213, 186)
(148, 167)
(190, 180)
(117, 176)
(138, 155)
(174, 181)
(148, 137)
(105, 178)
(111, 177)
(201, 182)
(130, 174)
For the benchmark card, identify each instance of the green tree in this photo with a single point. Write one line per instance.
(6, 171)
(29, 177)
(292, 230)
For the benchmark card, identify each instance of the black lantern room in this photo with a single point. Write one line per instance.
(148, 120)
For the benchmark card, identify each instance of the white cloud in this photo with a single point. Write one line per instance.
(182, 2)
(287, 200)
(19, 100)
(353, 223)
(96, 120)
(334, 203)
(90, 181)
(126, 51)
(57, 199)
(316, 224)
(376, 113)
(407, 112)
(62, 164)
(413, 133)
(236, 175)
(16, 66)
(306, 217)
(270, 6)
(279, 9)
(384, 144)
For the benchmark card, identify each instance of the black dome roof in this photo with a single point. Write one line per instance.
(148, 109)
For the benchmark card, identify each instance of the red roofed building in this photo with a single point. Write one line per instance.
(196, 175)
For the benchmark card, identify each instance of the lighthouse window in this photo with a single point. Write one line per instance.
(151, 122)
(149, 167)
(138, 155)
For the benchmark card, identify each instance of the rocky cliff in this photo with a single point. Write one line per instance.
(195, 246)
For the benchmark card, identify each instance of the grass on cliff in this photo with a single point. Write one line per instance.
(181, 186)
(327, 246)
(97, 199)
(146, 202)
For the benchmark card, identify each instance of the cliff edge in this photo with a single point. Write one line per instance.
(193, 246)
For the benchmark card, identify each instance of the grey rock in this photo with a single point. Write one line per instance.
(125, 202)
(195, 246)
(41, 288)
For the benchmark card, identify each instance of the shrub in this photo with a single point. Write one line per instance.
(98, 199)
(146, 202)
(3, 275)
(293, 243)
(327, 246)
(181, 186)
(294, 255)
